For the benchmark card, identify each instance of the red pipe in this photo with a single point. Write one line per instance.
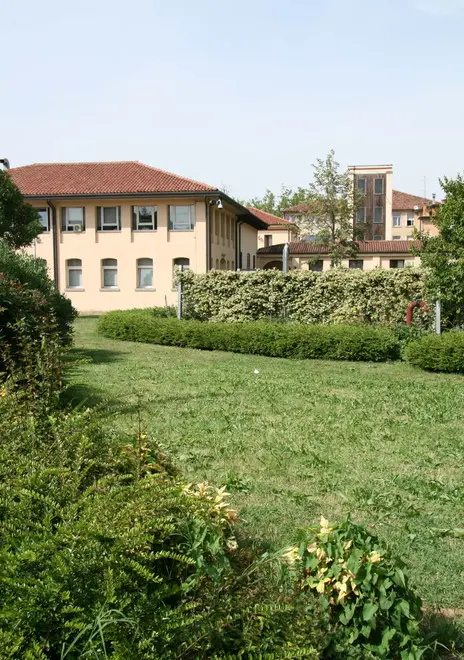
(410, 308)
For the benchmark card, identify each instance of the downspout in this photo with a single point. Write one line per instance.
(208, 234)
(56, 265)
(238, 244)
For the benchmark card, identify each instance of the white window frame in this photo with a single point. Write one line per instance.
(66, 224)
(74, 268)
(410, 221)
(171, 222)
(106, 268)
(378, 222)
(46, 228)
(175, 266)
(137, 225)
(140, 268)
(383, 185)
(356, 261)
(396, 267)
(396, 238)
(377, 237)
(364, 180)
(396, 220)
(102, 225)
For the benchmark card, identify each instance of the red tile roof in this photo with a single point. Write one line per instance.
(131, 177)
(405, 202)
(269, 218)
(366, 247)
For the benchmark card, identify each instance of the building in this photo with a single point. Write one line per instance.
(115, 232)
(278, 230)
(309, 255)
(410, 212)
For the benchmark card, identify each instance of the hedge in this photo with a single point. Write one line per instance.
(438, 352)
(288, 340)
(335, 296)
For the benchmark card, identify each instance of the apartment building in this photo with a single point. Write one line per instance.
(115, 232)
(410, 212)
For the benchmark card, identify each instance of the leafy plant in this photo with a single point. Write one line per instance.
(336, 342)
(364, 589)
(438, 352)
(19, 221)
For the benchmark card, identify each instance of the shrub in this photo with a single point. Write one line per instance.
(104, 553)
(259, 338)
(335, 296)
(438, 352)
(364, 589)
(164, 312)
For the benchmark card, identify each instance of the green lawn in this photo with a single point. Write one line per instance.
(302, 438)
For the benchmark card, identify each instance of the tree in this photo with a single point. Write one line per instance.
(19, 221)
(277, 204)
(443, 255)
(334, 202)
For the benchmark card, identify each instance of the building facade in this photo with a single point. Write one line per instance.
(115, 233)
(278, 230)
(308, 255)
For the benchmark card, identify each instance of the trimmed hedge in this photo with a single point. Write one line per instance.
(288, 340)
(338, 295)
(438, 352)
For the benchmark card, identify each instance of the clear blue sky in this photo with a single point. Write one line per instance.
(238, 93)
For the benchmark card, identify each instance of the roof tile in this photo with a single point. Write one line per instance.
(366, 247)
(268, 218)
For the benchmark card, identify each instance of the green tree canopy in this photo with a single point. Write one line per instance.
(443, 255)
(277, 204)
(19, 221)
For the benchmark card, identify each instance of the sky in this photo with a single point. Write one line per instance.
(242, 94)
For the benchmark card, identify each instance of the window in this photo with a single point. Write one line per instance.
(362, 186)
(228, 264)
(74, 274)
(396, 263)
(396, 220)
(410, 221)
(409, 238)
(378, 215)
(108, 218)
(254, 262)
(144, 273)
(181, 218)
(233, 265)
(223, 226)
(396, 238)
(316, 266)
(44, 219)
(222, 265)
(216, 226)
(361, 215)
(248, 261)
(110, 273)
(181, 263)
(227, 227)
(377, 237)
(144, 218)
(73, 218)
(356, 264)
(267, 240)
(378, 186)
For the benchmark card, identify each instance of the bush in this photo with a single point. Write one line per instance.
(105, 553)
(260, 338)
(164, 312)
(335, 296)
(364, 589)
(438, 352)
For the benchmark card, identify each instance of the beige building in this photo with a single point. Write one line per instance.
(278, 230)
(309, 255)
(115, 232)
(409, 213)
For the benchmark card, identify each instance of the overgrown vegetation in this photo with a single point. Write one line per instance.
(335, 296)
(438, 352)
(19, 221)
(335, 342)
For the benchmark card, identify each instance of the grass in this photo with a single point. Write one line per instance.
(301, 438)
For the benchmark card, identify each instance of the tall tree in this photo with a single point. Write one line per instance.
(277, 204)
(19, 221)
(334, 201)
(443, 255)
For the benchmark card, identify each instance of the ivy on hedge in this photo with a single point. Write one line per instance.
(335, 296)
(438, 352)
(288, 340)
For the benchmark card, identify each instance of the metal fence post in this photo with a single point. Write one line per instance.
(438, 317)
(180, 287)
(285, 258)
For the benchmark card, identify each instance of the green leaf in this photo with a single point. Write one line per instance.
(403, 605)
(369, 611)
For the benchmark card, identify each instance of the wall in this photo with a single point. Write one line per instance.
(421, 223)
(248, 245)
(384, 201)
(126, 246)
(369, 261)
(283, 235)
(223, 223)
